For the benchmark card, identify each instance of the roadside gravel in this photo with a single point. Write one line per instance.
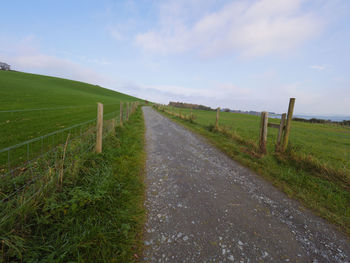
(204, 207)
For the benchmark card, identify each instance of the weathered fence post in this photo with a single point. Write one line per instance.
(288, 124)
(99, 132)
(217, 118)
(280, 132)
(113, 126)
(121, 114)
(127, 111)
(263, 132)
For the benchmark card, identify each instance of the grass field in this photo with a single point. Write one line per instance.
(62, 102)
(34, 105)
(70, 204)
(94, 215)
(329, 144)
(315, 169)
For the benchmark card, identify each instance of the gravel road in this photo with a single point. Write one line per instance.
(204, 207)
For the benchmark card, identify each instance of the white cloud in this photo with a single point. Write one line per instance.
(269, 98)
(25, 56)
(250, 28)
(318, 67)
(223, 94)
(37, 62)
(117, 35)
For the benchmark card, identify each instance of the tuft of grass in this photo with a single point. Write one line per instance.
(320, 186)
(95, 215)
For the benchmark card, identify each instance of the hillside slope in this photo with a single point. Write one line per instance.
(33, 105)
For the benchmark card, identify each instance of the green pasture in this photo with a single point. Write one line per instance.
(94, 214)
(62, 102)
(33, 105)
(328, 143)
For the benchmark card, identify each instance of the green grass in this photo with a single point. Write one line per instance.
(95, 215)
(46, 104)
(25, 91)
(329, 144)
(314, 170)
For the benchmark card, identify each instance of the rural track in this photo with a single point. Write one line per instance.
(204, 207)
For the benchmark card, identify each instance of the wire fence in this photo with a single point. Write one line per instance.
(24, 163)
(13, 157)
(26, 152)
(54, 108)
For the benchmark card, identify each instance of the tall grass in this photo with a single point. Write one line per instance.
(94, 215)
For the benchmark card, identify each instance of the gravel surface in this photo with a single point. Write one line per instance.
(204, 207)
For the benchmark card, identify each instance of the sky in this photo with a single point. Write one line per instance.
(239, 54)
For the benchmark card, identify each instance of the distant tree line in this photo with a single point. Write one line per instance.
(315, 120)
(189, 105)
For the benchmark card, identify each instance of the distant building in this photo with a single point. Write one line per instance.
(4, 66)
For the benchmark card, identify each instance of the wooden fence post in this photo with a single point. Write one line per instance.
(121, 114)
(127, 111)
(99, 133)
(288, 124)
(263, 132)
(217, 118)
(280, 132)
(113, 126)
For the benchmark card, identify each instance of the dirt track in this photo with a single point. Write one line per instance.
(204, 207)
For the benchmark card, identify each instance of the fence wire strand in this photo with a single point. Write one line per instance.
(86, 136)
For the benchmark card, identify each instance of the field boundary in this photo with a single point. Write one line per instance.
(310, 182)
(84, 206)
(85, 132)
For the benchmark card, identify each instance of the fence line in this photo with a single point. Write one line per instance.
(41, 140)
(283, 127)
(39, 146)
(89, 133)
(55, 108)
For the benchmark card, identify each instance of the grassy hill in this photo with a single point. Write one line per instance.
(70, 204)
(33, 105)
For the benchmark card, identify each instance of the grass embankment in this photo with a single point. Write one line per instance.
(94, 215)
(315, 168)
(33, 105)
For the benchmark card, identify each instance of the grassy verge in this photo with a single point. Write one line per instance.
(328, 144)
(94, 215)
(328, 197)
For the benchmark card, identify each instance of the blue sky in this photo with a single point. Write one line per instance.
(241, 54)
